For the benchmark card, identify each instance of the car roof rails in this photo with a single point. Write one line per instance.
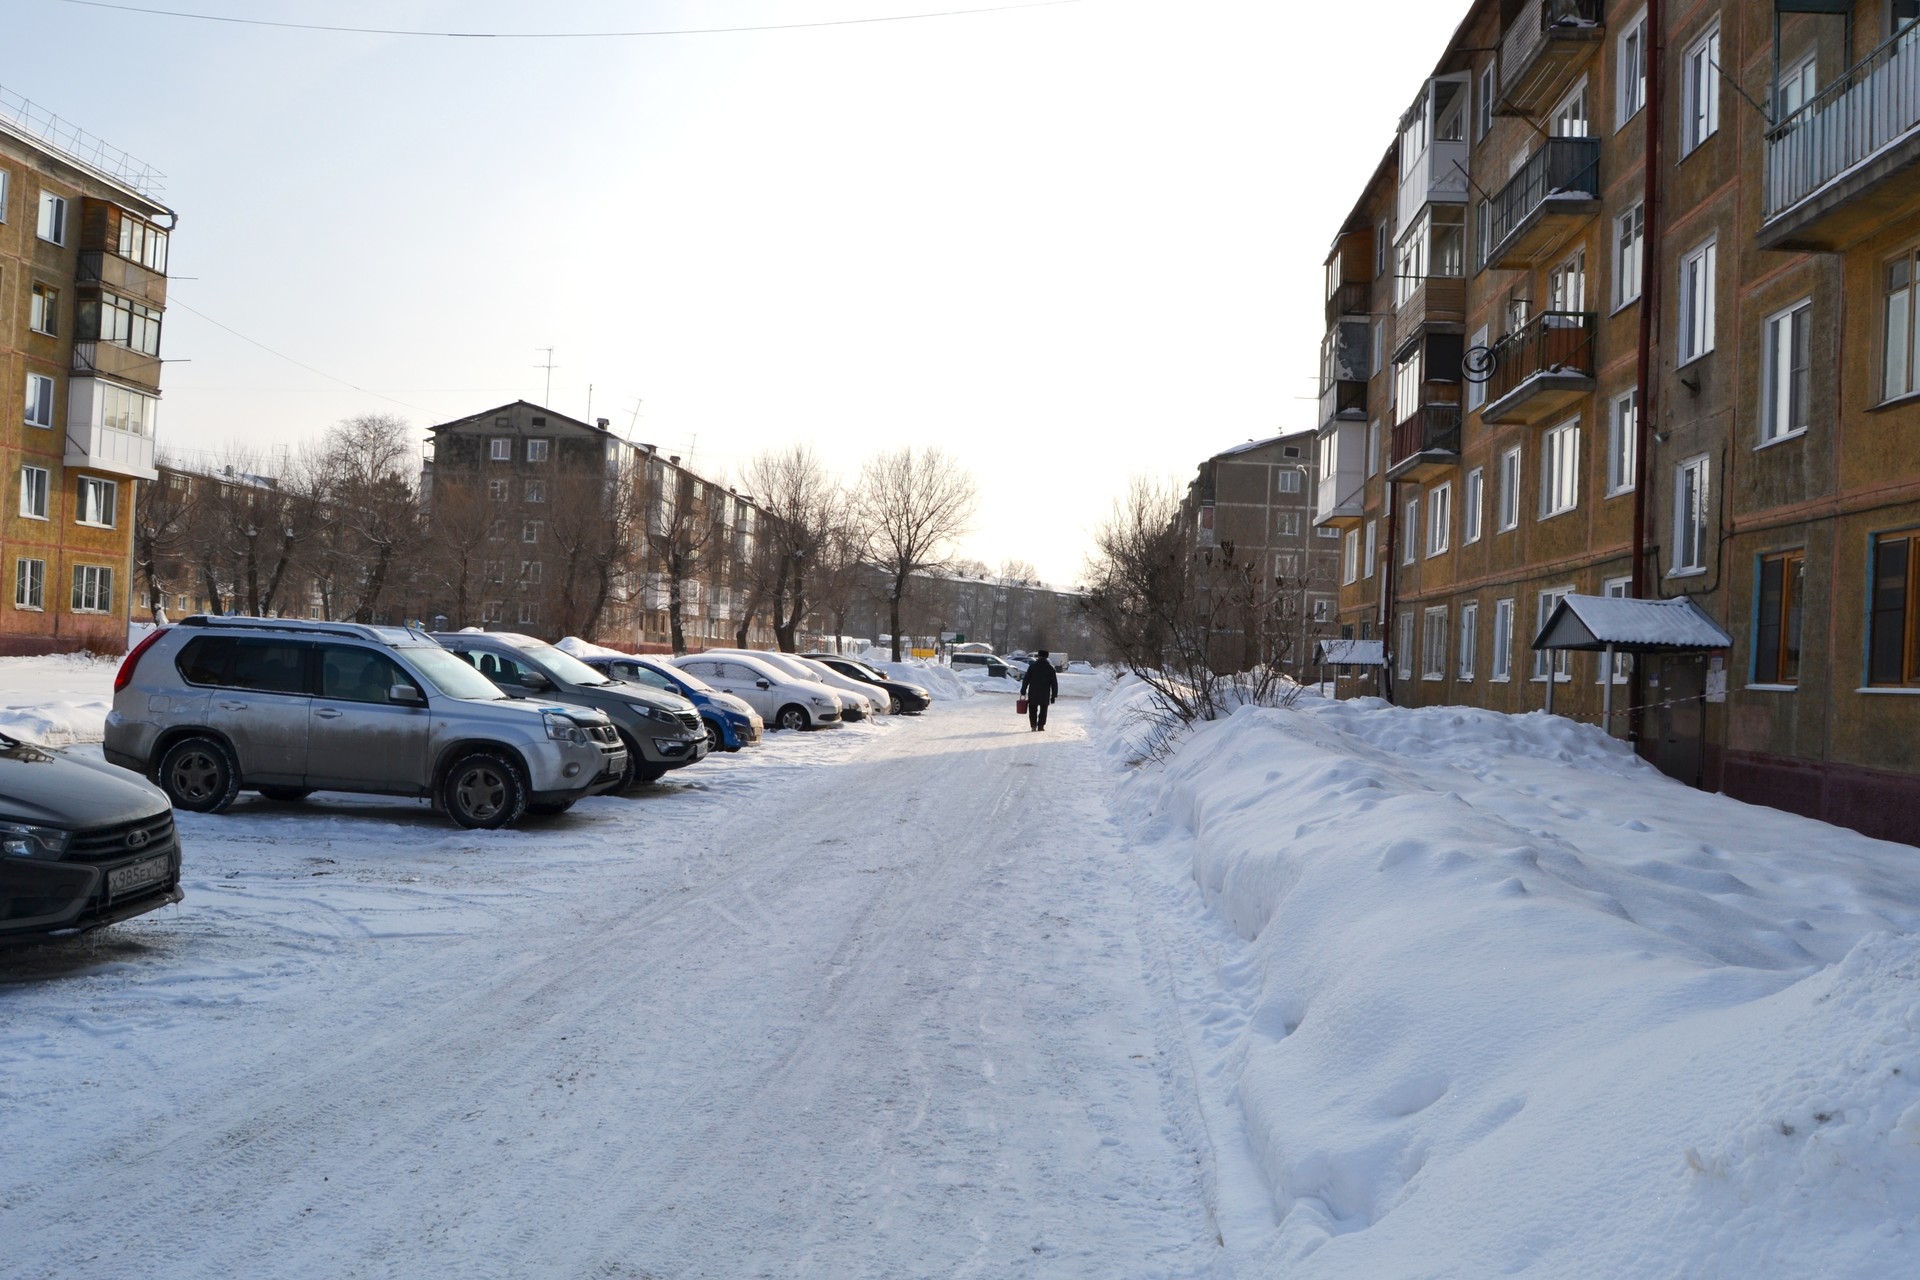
(305, 626)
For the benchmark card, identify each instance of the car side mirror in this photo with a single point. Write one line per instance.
(407, 694)
(534, 680)
(763, 684)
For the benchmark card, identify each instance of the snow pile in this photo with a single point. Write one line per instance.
(574, 646)
(1504, 999)
(57, 700)
(939, 681)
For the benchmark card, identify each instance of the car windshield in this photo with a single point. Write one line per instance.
(863, 669)
(451, 675)
(562, 665)
(686, 678)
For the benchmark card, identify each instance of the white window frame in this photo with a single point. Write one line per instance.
(1696, 301)
(1285, 479)
(1559, 661)
(528, 614)
(1410, 538)
(1370, 552)
(1288, 523)
(1373, 448)
(1692, 487)
(1779, 350)
(500, 449)
(530, 531)
(1509, 495)
(1623, 441)
(1439, 520)
(35, 496)
(1616, 589)
(1630, 70)
(1629, 255)
(1700, 90)
(1560, 470)
(92, 583)
(536, 491)
(1469, 639)
(1433, 643)
(1476, 390)
(43, 309)
(4, 177)
(52, 223)
(1483, 109)
(83, 506)
(1502, 661)
(497, 490)
(40, 399)
(30, 584)
(1476, 506)
(537, 450)
(1403, 655)
(1350, 559)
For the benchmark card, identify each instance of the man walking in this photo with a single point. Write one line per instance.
(1039, 687)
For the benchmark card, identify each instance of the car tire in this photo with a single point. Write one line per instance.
(199, 775)
(286, 794)
(552, 810)
(632, 772)
(893, 704)
(484, 790)
(716, 740)
(647, 771)
(793, 716)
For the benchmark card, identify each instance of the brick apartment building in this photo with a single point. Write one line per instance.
(1628, 309)
(83, 285)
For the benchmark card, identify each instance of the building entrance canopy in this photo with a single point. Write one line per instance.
(1615, 624)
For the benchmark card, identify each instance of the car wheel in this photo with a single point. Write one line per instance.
(484, 790)
(893, 704)
(288, 794)
(199, 775)
(793, 716)
(716, 741)
(631, 773)
(648, 772)
(550, 810)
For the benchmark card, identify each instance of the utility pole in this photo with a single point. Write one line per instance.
(549, 366)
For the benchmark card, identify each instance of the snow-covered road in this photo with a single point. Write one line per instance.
(869, 1003)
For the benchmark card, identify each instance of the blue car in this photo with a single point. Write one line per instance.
(731, 723)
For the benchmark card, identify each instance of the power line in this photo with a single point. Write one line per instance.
(564, 35)
(175, 301)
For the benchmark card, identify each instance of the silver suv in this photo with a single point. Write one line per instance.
(214, 706)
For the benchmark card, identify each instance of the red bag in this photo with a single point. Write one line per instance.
(1020, 706)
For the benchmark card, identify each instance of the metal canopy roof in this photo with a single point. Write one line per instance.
(1596, 623)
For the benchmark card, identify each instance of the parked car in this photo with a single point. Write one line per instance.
(986, 663)
(661, 730)
(904, 697)
(285, 707)
(845, 685)
(731, 723)
(785, 702)
(855, 701)
(82, 844)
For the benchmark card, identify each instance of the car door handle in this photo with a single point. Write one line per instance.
(328, 713)
(233, 706)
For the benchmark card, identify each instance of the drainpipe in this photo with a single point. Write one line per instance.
(1644, 387)
(1388, 635)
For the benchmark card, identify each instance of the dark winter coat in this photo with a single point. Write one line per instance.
(1040, 684)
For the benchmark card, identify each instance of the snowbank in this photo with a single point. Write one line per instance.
(57, 700)
(1504, 999)
(574, 646)
(937, 680)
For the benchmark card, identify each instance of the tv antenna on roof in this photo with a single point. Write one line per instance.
(549, 366)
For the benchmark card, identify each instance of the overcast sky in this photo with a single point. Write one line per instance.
(1068, 244)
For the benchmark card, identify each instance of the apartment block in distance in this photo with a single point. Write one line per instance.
(1628, 309)
(83, 285)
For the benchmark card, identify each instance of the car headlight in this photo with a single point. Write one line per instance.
(662, 717)
(17, 840)
(821, 700)
(561, 729)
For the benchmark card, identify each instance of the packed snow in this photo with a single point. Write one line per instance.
(58, 700)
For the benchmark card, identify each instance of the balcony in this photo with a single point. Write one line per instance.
(104, 448)
(1343, 400)
(1427, 444)
(1850, 158)
(1542, 370)
(1340, 496)
(1544, 48)
(111, 360)
(110, 271)
(1432, 303)
(1345, 364)
(1350, 299)
(1555, 193)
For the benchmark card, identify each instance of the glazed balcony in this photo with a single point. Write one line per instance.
(101, 270)
(1343, 400)
(1428, 443)
(1436, 303)
(1542, 370)
(1339, 498)
(1556, 192)
(1352, 298)
(1345, 365)
(1850, 158)
(1543, 51)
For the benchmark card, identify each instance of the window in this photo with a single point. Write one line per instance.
(1439, 519)
(1502, 640)
(122, 409)
(1370, 551)
(122, 322)
(1510, 490)
(536, 491)
(1616, 589)
(1700, 90)
(1382, 251)
(1559, 661)
(1897, 350)
(144, 243)
(1690, 498)
(1623, 441)
(1408, 375)
(33, 492)
(1893, 636)
(1373, 447)
(494, 611)
(53, 218)
(1287, 524)
(1570, 117)
(1469, 638)
(29, 584)
(1323, 610)
(530, 572)
(4, 175)
(1433, 644)
(39, 401)
(1567, 284)
(92, 589)
(1798, 85)
(537, 450)
(1476, 389)
(500, 449)
(1350, 560)
(1476, 505)
(1410, 531)
(1630, 92)
(1403, 656)
(360, 675)
(1560, 470)
(43, 315)
(1483, 114)
(1784, 367)
(1629, 243)
(1776, 635)
(1326, 531)
(96, 502)
(1696, 303)
(529, 613)
(1286, 478)
(497, 490)
(530, 531)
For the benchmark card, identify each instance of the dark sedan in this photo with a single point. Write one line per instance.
(82, 844)
(906, 698)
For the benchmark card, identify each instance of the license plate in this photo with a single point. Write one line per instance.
(137, 876)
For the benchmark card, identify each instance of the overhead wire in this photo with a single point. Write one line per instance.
(365, 391)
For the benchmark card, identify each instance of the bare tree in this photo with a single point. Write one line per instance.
(589, 559)
(802, 506)
(163, 520)
(366, 471)
(684, 523)
(910, 506)
(461, 554)
(1019, 573)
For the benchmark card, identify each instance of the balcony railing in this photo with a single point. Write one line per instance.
(1541, 46)
(1350, 299)
(1564, 172)
(1431, 434)
(128, 279)
(1851, 122)
(1552, 353)
(1430, 300)
(112, 360)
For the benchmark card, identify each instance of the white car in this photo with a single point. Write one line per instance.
(782, 701)
(847, 686)
(857, 700)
